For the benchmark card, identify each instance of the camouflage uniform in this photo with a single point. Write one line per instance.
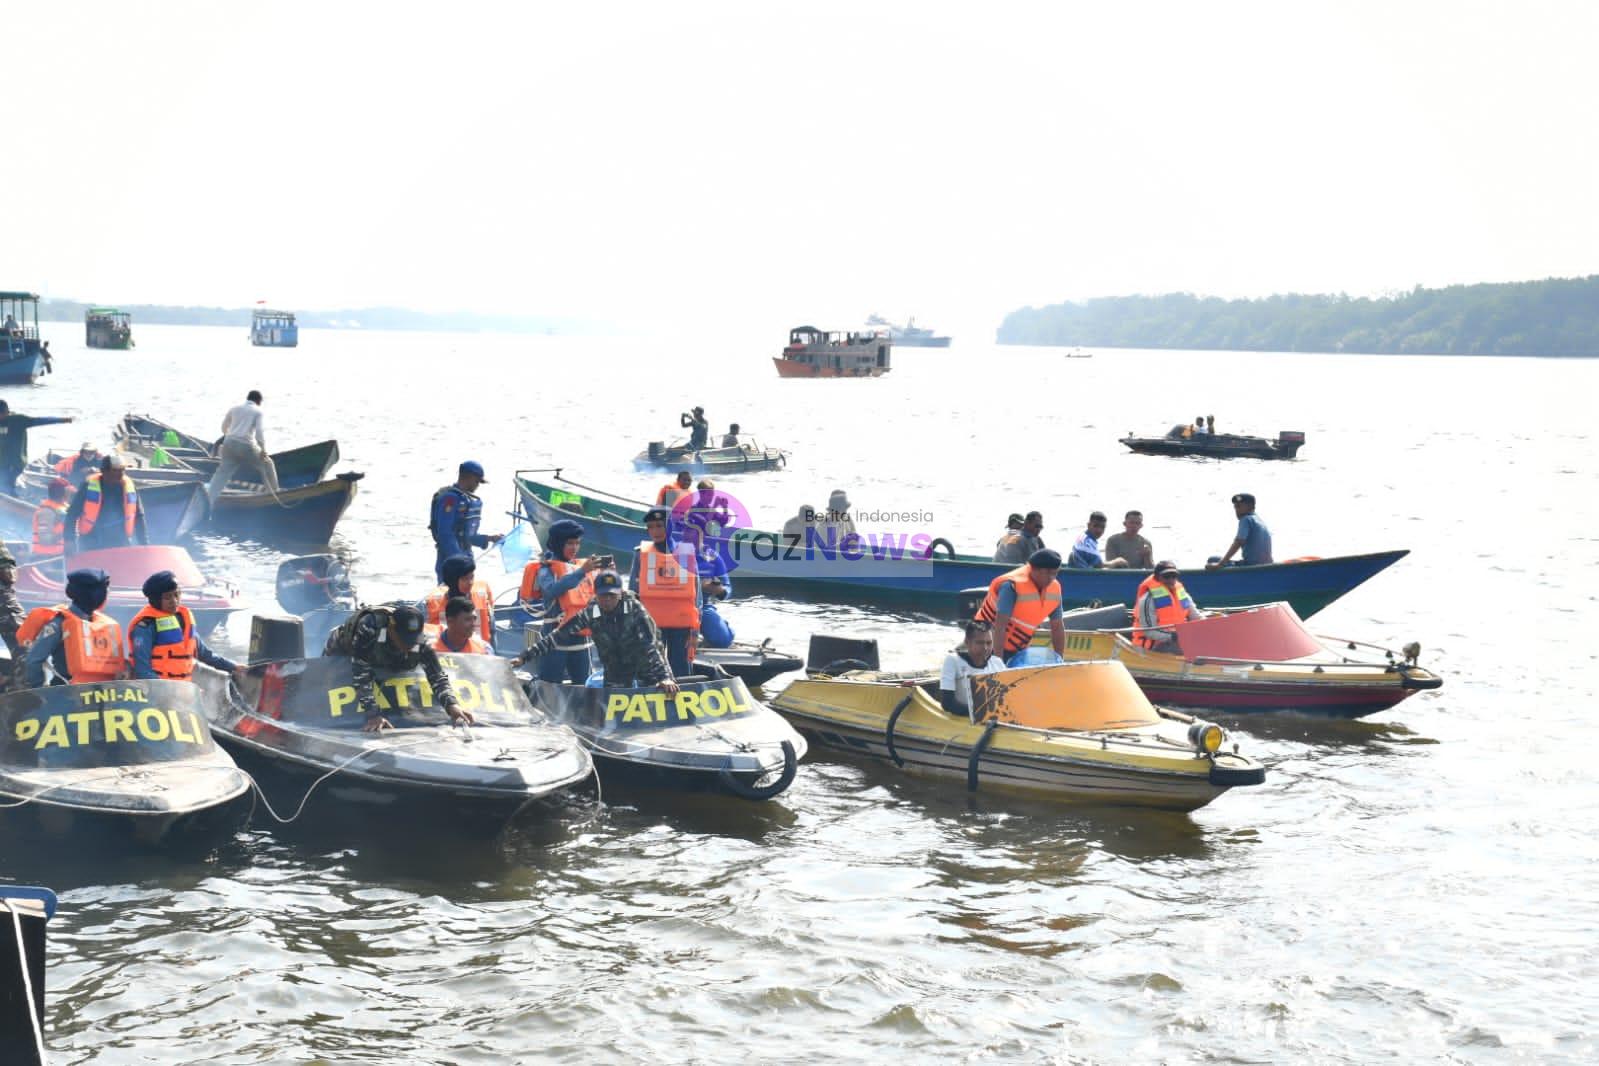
(10, 610)
(627, 641)
(364, 638)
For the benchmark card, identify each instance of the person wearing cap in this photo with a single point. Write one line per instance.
(625, 638)
(1021, 600)
(1130, 544)
(11, 615)
(455, 514)
(730, 438)
(459, 633)
(79, 465)
(460, 579)
(563, 584)
(674, 490)
(49, 520)
(698, 426)
(243, 448)
(81, 644)
(389, 637)
(1162, 604)
(14, 443)
(665, 578)
(1018, 544)
(162, 639)
(107, 513)
(1086, 554)
(836, 524)
(1252, 538)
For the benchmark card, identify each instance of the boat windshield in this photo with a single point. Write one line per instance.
(1070, 696)
(1272, 634)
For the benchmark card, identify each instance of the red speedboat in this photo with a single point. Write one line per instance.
(43, 584)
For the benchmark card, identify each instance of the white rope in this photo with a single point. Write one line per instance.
(27, 983)
(299, 810)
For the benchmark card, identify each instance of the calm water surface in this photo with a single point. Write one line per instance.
(1416, 886)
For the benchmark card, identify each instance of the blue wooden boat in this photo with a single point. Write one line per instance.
(273, 329)
(892, 572)
(22, 356)
(171, 512)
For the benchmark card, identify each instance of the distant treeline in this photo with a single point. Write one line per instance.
(1557, 317)
(363, 318)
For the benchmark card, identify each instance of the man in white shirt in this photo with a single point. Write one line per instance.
(243, 448)
(975, 656)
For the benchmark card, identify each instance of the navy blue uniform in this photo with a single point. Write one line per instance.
(453, 523)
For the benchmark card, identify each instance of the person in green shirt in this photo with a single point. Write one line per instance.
(14, 444)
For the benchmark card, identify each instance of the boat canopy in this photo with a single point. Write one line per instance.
(33, 296)
(1272, 633)
(1070, 696)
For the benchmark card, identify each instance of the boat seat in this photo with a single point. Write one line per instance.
(1115, 616)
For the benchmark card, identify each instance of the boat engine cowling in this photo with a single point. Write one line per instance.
(657, 448)
(313, 582)
(275, 639)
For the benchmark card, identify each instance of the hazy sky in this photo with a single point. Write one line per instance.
(758, 161)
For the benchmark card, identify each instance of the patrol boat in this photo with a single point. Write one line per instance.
(1076, 732)
(1251, 659)
(120, 763)
(1218, 445)
(746, 456)
(708, 736)
(299, 724)
(210, 601)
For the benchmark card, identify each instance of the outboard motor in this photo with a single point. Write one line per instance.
(656, 449)
(275, 639)
(841, 653)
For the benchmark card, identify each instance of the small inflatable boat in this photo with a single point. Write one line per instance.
(708, 736)
(119, 763)
(299, 721)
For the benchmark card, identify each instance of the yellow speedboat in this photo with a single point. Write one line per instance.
(1081, 732)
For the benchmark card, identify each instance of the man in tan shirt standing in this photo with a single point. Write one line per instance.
(1129, 545)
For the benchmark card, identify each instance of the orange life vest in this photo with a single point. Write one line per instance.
(48, 528)
(93, 647)
(571, 601)
(172, 652)
(1033, 606)
(670, 493)
(1169, 610)
(474, 645)
(668, 585)
(91, 506)
(482, 598)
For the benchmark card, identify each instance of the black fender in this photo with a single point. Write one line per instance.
(977, 754)
(751, 791)
(888, 733)
(949, 549)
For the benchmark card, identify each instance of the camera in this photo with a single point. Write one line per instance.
(605, 562)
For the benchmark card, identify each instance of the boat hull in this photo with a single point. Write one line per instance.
(934, 584)
(42, 584)
(855, 717)
(120, 764)
(717, 461)
(1224, 446)
(789, 368)
(22, 369)
(305, 516)
(296, 467)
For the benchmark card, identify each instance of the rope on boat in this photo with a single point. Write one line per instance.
(27, 984)
(299, 810)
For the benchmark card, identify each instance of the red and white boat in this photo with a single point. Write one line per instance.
(815, 353)
(43, 584)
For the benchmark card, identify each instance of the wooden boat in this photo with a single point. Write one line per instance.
(179, 453)
(120, 763)
(1254, 659)
(303, 516)
(1077, 732)
(106, 327)
(710, 736)
(1218, 445)
(43, 583)
(273, 329)
(172, 509)
(23, 357)
(299, 722)
(898, 570)
(815, 353)
(747, 457)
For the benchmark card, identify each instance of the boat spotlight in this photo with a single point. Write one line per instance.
(1206, 737)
